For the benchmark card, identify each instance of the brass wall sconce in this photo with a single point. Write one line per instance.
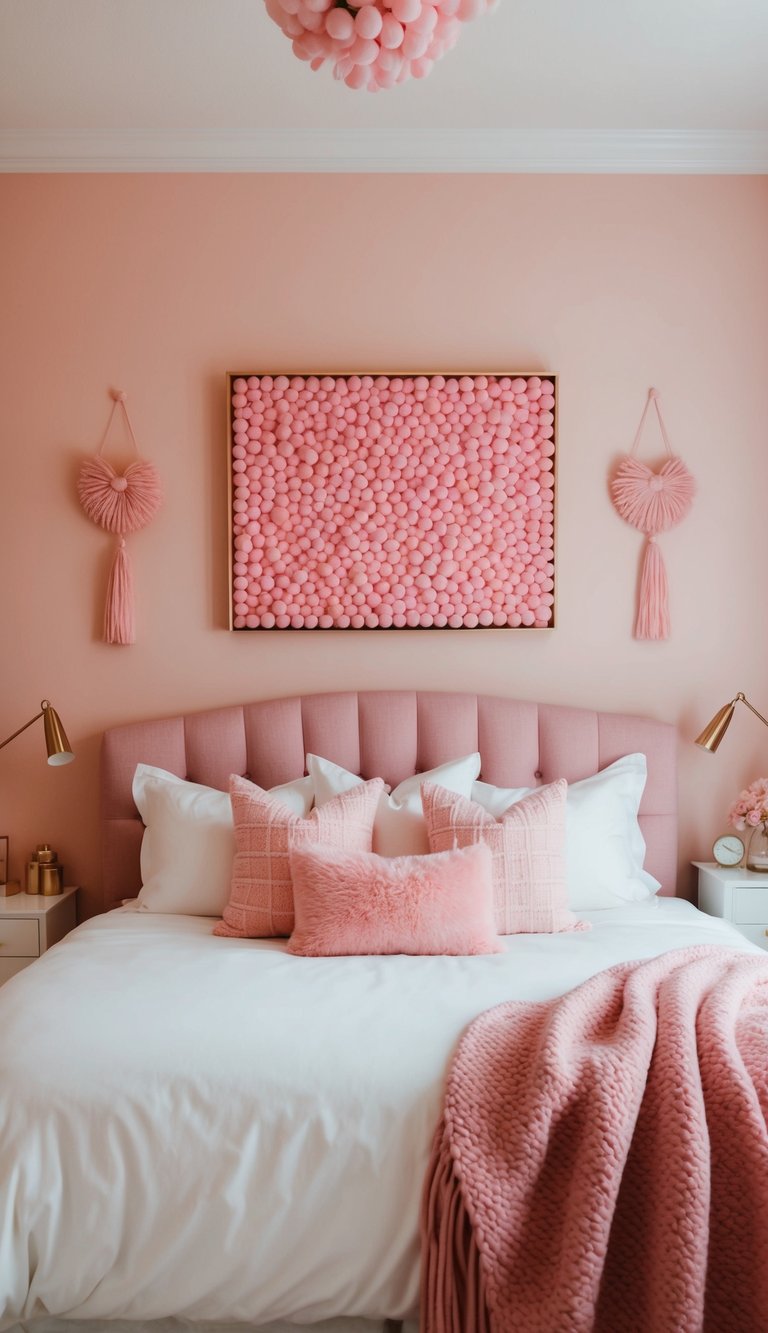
(59, 752)
(714, 731)
(59, 749)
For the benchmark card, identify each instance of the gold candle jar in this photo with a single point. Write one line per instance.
(44, 873)
(50, 878)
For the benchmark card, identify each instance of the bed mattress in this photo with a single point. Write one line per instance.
(214, 1130)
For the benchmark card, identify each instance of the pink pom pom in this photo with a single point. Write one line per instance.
(426, 21)
(414, 44)
(300, 48)
(406, 10)
(391, 35)
(364, 52)
(368, 21)
(341, 26)
(357, 78)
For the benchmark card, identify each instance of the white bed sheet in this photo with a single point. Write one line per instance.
(215, 1130)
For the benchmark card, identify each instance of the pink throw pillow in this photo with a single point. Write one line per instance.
(360, 903)
(261, 897)
(528, 846)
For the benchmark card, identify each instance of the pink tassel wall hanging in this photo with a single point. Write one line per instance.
(120, 502)
(652, 502)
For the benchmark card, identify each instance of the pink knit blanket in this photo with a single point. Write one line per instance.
(602, 1159)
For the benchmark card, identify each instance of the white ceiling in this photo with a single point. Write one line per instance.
(215, 79)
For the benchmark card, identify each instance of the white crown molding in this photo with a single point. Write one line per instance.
(702, 152)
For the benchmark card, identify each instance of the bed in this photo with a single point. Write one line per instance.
(210, 1130)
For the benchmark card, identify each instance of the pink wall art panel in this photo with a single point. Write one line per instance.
(402, 501)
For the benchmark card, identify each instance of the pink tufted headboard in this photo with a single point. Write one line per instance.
(388, 734)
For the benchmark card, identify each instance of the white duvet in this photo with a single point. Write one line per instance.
(216, 1130)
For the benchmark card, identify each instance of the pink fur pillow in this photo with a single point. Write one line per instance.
(261, 897)
(528, 846)
(360, 903)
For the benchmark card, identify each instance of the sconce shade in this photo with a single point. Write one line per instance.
(56, 743)
(714, 731)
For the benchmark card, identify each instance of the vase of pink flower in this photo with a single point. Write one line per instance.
(750, 812)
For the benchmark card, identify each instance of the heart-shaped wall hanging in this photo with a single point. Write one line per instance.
(652, 501)
(121, 502)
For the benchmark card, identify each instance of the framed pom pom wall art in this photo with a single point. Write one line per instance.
(391, 501)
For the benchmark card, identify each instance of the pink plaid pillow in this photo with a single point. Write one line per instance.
(261, 897)
(528, 846)
(360, 903)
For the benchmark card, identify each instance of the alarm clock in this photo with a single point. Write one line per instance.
(728, 850)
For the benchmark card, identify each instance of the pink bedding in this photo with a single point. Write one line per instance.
(602, 1160)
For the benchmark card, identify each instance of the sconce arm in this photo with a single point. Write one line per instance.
(742, 698)
(40, 714)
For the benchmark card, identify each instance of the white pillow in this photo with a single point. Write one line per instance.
(604, 848)
(189, 840)
(399, 828)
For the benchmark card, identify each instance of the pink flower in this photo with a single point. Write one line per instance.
(751, 808)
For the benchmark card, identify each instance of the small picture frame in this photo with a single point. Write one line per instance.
(7, 887)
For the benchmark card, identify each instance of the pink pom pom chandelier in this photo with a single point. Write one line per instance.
(375, 45)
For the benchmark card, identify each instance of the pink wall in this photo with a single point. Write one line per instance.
(160, 284)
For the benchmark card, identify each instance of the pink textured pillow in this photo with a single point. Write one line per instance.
(261, 896)
(357, 903)
(528, 846)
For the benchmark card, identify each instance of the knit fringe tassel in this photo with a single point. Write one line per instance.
(452, 1289)
(118, 614)
(653, 600)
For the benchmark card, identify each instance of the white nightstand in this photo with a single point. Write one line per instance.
(739, 896)
(30, 924)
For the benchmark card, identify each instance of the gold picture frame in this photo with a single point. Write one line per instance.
(246, 594)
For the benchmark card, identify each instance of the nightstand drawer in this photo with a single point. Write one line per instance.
(756, 934)
(750, 905)
(19, 938)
